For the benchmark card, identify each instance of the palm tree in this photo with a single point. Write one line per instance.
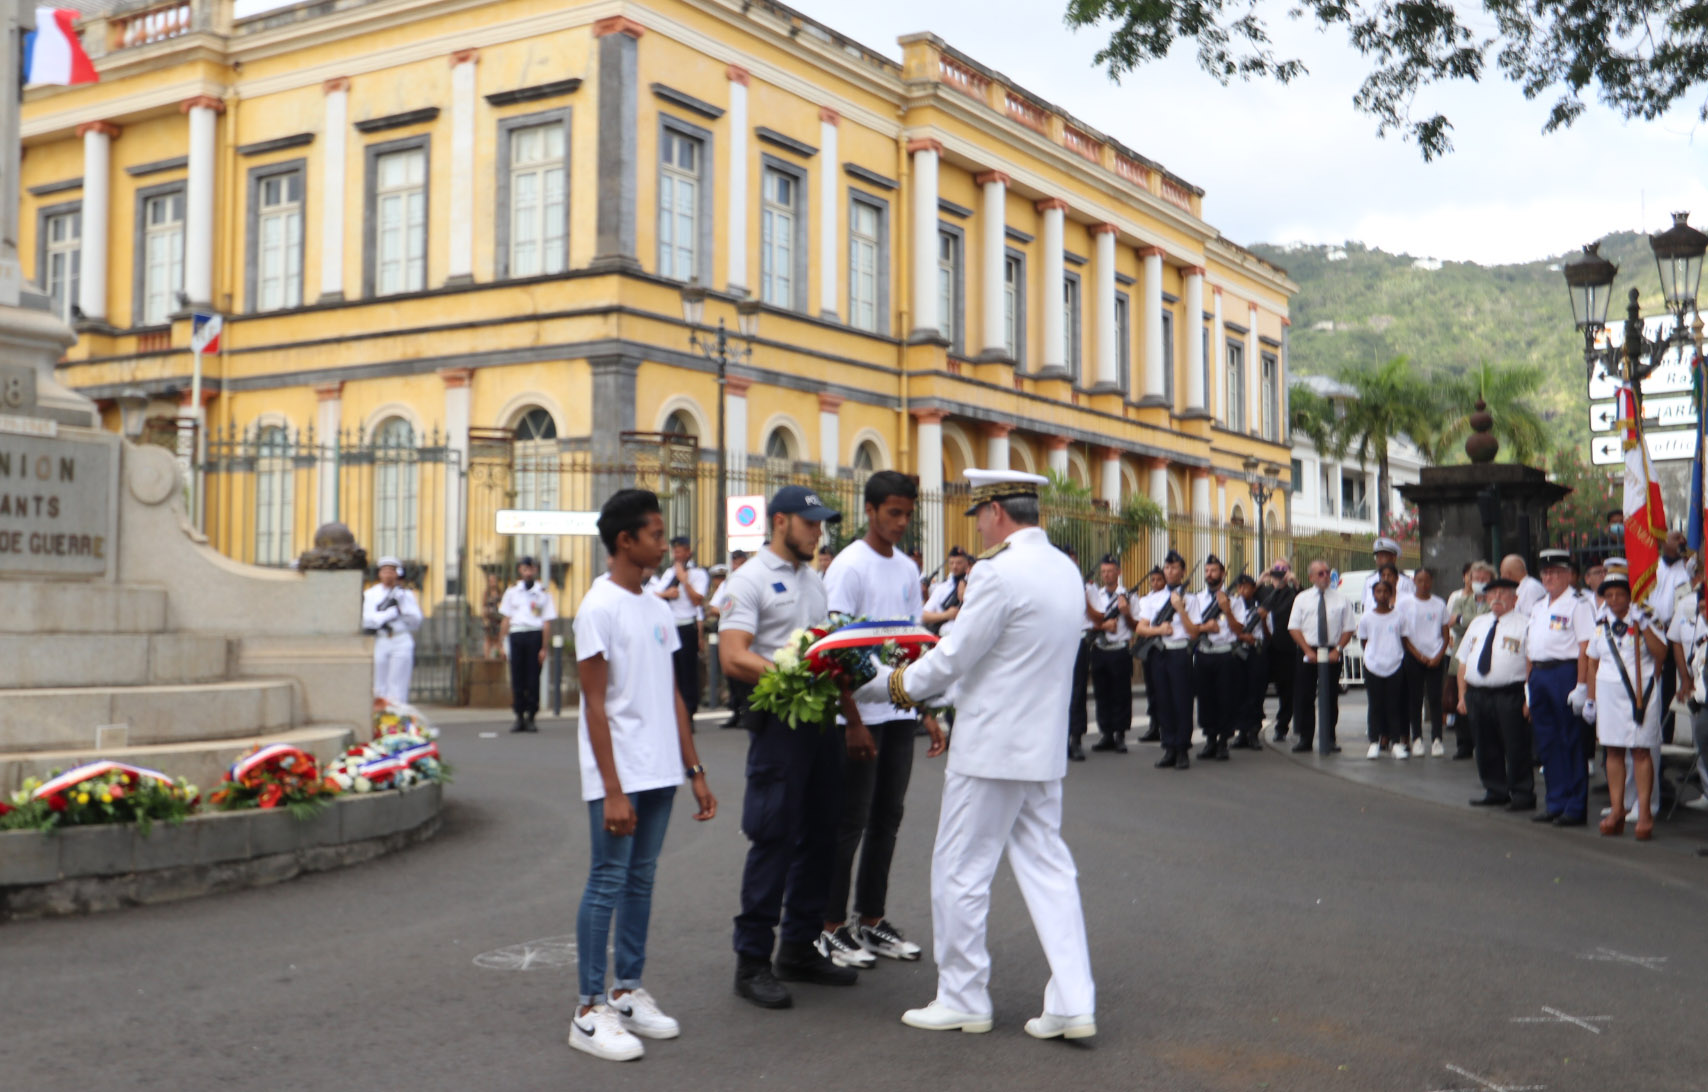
(1506, 391)
(1393, 401)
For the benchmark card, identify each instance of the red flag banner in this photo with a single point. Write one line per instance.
(1645, 518)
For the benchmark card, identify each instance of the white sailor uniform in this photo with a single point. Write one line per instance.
(392, 615)
(1616, 720)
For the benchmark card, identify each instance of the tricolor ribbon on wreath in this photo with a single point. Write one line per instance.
(80, 774)
(911, 639)
(267, 754)
(397, 763)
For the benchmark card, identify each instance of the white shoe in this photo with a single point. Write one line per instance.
(1417, 747)
(601, 1034)
(937, 1017)
(1051, 1026)
(1436, 750)
(641, 1016)
(1698, 804)
(841, 949)
(1375, 751)
(1401, 752)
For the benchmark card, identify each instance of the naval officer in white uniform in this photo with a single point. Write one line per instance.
(1011, 658)
(391, 614)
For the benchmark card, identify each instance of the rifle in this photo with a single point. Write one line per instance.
(1113, 612)
(1145, 644)
(953, 599)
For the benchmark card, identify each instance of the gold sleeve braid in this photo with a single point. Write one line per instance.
(898, 693)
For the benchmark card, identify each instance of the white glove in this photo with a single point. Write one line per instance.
(1589, 711)
(877, 691)
(1576, 699)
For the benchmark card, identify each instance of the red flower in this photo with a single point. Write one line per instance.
(5, 808)
(118, 792)
(56, 802)
(271, 795)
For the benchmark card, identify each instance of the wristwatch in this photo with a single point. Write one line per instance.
(696, 770)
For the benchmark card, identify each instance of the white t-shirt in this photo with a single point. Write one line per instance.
(1383, 652)
(1423, 621)
(636, 635)
(865, 584)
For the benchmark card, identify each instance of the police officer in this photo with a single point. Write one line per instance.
(1251, 663)
(684, 586)
(528, 611)
(793, 805)
(1010, 658)
(1321, 626)
(1278, 605)
(1210, 619)
(1491, 692)
(1162, 619)
(1111, 616)
(1557, 642)
(1387, 552)
(391, 613)
(1154, 582)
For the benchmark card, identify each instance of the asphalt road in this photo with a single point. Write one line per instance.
(1254, 925)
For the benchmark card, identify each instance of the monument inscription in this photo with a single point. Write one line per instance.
(57, 510)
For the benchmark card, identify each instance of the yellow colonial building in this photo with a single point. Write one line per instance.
(449, 234)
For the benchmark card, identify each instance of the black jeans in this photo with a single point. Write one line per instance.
(1112, 684)
(686, 661)
(1254, 669)
(1423, 690)
(1282, 655)
(1305, 701)
(1218, 688)
(1387, 697)
(872, 796)
(1076, 700)
(525, 672)
(1504, 746)
(1170, 671)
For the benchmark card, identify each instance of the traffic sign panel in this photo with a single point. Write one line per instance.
(1670, 411)
(538, 521)
(1668, 445)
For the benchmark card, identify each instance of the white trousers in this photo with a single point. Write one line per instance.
(982, 817)
(394, 660)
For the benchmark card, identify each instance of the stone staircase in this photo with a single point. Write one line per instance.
(95, 670)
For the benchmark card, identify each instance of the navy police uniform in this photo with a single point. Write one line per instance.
(1214, 669)
(1168, 668)
(1560, 630)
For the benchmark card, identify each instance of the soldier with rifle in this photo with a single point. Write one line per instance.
(1215, 677)
(1110, 612)
(1166, 652)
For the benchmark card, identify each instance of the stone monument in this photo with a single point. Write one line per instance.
(1481, 510)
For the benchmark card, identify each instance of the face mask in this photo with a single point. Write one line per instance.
(1477, 586)
(1616, 529)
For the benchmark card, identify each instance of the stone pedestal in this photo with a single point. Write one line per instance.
(1450, 519)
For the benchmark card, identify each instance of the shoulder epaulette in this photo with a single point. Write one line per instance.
(994, 550)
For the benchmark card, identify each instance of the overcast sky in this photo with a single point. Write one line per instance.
(1298, 163)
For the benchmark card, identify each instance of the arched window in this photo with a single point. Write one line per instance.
(534, 468)
(394, 489)
(866, 458)
(681, 423)
(275, 494)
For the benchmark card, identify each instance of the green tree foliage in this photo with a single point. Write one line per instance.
(1393, 401)
(1508, 393)
(1581, 516)
(1635, 56)
(1072, 518)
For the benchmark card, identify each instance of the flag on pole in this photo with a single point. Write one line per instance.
(53, 53)
(204, 331)
(1645, 517)
(1694, 525)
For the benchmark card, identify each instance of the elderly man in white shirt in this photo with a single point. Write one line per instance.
(1531, 593)
(1493, 661)
(1321, 626)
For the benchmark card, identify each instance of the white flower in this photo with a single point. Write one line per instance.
(364, 785)
(800, 638)
(786, 658)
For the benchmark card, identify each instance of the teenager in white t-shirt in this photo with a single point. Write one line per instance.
(1425, 635)
(1384, 685)
(872, 578)
(637, 745)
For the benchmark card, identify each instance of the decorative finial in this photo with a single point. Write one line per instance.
(1481, 445)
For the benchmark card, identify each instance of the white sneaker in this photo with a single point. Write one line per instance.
(1698, 804)
(601, 1034)
(937, 1017)
(641, 1015)
(840, 948)
(1400, 751)
(884, 939)
(1417, 747)
(1051, 1026)
(1375, 751)
(1436, 750)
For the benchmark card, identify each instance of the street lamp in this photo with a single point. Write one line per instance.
(133, 402)
(717, 349)
(1589, 279)
(1261, 491)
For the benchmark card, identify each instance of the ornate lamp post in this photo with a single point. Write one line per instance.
(1261, 491)
(717, 349)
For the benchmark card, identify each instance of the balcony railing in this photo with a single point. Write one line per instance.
(962, 78)
(1028, 113)
(1176, 194)
(1082, 144)
(155, 24)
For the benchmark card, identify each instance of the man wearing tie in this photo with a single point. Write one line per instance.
(1321, 627)
(1492, 661)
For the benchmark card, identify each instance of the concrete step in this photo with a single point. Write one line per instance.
(204, 762)
(60, 718)
(45, 606)
(112, 659)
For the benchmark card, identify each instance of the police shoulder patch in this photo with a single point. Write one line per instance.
(994, 550)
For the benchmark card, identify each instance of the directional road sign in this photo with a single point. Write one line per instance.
(1666, 411)
(539, 521)
(1665, 445)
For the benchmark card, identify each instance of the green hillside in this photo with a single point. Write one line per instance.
(1356, 303)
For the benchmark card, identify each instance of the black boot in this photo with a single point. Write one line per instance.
(805, 963)
(1222, 751)
(1208, 751)
(1152, 736)
(1075, 753)
(532, 727)
(521, 724)
(754, 981)
(1183, 760)
(1167, 759)
(1120, 743)
(1106, 742)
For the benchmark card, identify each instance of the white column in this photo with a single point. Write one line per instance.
(993, 225)
(928, 461)
(199, 199)
(327, 423)
(1218, 351)
(1253, 378)
(460, 269)
(1059, 456)
(1156, 365)
(1195, 345)
(97, 198)
(926, 321)
(829, 433)
(1158, 485)
(1055, 333)
(1108, 358)
(735, 428)
(457, 419)
(1201, 515)
(334, 136)
(1111, 483)
(1222, 498)
(996, 447)
(829, 176)
(735, 192)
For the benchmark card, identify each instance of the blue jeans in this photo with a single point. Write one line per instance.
(620, 881)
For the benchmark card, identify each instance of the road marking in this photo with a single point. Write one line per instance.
(544, 954)
(1608, 955)
(1486, 1085)
(1555, 1016)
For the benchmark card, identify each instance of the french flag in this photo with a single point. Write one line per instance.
(53, 53)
